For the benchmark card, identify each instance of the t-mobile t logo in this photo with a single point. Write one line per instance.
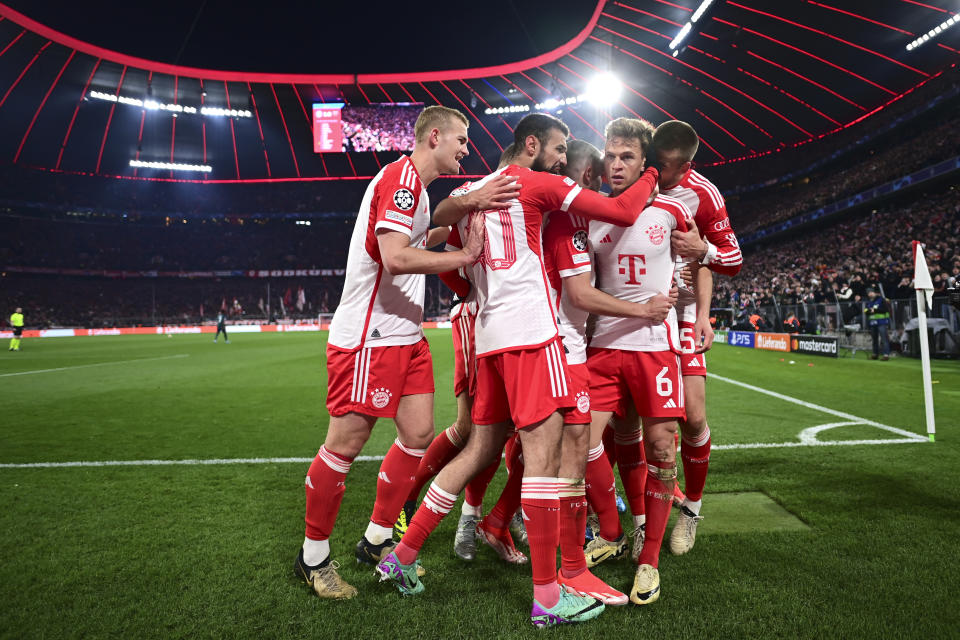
(634, 267)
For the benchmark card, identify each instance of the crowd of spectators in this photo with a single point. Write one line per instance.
(748, 175)
(880, 165)
(838, 262)
(379, 128)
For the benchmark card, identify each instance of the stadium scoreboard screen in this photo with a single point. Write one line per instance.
(338, 127)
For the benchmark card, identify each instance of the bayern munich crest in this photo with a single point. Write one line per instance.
(380, 397)
(656, 233)
(403, 199)
(583, 402)
(580, 240)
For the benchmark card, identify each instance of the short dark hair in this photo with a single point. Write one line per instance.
(582, 152)
(539, 125)
(675, 135)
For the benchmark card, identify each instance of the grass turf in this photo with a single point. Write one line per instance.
(206, 551)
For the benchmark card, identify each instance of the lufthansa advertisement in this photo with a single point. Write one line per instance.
(786, 342)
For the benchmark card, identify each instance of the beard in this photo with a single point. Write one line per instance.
(540, 164)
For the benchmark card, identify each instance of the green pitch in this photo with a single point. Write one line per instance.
(852, 537)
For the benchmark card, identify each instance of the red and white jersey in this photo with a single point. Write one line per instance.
(515, 309)
(378, 309)
(636, 263)
(710, 213)
(566, 253)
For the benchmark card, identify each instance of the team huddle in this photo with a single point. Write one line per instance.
(579, 325)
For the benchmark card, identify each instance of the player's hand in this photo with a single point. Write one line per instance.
(476, 235)
(702, 335)
(658, 307)
(686, 274)
(653, 194)
(688, 243)
(497, 193)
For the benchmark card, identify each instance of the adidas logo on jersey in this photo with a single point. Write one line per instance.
(383, 476)
(670, 404)
(309, 482)
(606, 238)
(375, 333)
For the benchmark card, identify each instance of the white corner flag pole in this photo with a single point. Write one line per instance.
(924, 286)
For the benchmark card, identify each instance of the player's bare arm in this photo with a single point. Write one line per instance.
(688, 243)
(703, 288)
(587, 297)
(437, 236)
(495, 194)
(399, 257)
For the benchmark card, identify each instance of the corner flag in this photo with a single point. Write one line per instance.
(924, 286)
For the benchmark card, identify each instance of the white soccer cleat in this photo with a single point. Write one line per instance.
(684, 533)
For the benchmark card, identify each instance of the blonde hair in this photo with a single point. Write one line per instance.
(436, 117)
(631, 129)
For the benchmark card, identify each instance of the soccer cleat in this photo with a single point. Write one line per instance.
(403, 576)
(646, 585)
(518, 529)
(639, 535)
(598, 549)
(324, 579)
(369, 553)
(403, 520)
(465, 542)
(569, 609)
(684, 532)
(587, 584)
(621, 505)
(502, 544)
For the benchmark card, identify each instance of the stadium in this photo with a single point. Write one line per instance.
(173, 173)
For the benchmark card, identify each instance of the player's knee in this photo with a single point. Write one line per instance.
(694, 425)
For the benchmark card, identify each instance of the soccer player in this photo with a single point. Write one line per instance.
(634, 361)
(16, 321)
(222, 327)
(446, 445)
(522, 380)
(713, 246)
(378, 362)
(567, 261)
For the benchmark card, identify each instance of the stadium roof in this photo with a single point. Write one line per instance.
(752, 76)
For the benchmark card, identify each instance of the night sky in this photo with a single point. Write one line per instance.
(319, 37)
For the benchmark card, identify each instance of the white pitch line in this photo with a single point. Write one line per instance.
(817, 407)
(85, 366)
(807, 439)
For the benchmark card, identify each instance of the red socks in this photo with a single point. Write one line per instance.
(573, 522)
(695, 455)
(541, 513)
(631, 460)
(502, 512)
(659, 500)
(477, 488)
(436, 504)
(442, 450)
(325, 485)
(601, 492)
(393, 482)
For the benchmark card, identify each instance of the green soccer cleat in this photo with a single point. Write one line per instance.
(570, 609)
(403, 520)
(403, 576)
